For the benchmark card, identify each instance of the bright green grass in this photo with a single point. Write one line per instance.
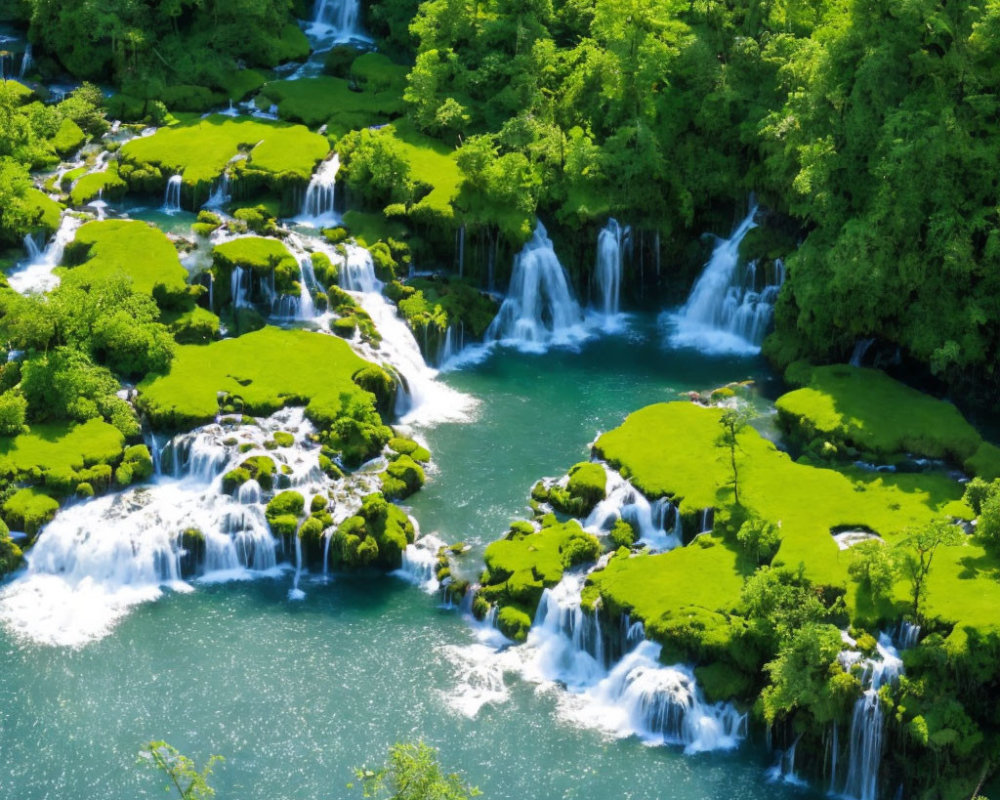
(21, 93)
(377, 71)
(870, 411)
(47, 211)
(29, 509)
(254, 252)
(432, 164)
(201, 150)
(130, 247)
(62, 447)
(369, 228)
(240, 83)
(672, 449)
(268, 369)
(69, 138)
(330, 101)
(91, 185)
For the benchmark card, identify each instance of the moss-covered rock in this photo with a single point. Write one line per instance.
(408, 447)
(585, 489)
(376, 536)
(402, 477)
(29, 509)
(136, 466)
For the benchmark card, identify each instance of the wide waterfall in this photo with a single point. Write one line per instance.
(729, 310)
(172, 195)
(608, 270)
(658, 523)
(36, 275)
(338, 19)
(317, 207)
(540, 309)
(868, 720)
(101, 557)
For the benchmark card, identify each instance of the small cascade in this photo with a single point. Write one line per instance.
(336, 18)
(101, 557)
(220, 192)
(317, 208)
(784, 767)
(99, 205)
(239, 288)
(36, 275)
(295, 593)
(661, 705)
(729, 310)
(290, 307)
(658, 523)
(31, 247)
(539, 309)
(420, 563)
(608, 270)
(570, 645)
(26, 62)
(907, 635)
(861, 348)
(172, 195)
(868, 720)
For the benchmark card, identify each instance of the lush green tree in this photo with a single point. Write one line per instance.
(413, 772)
(917, 550)
(733, 421)
(183, 775)
(874, 566)
(759, 539)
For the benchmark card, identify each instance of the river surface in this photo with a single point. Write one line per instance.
(295, 695)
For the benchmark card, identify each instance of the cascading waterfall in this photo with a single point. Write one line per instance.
(420, 563)
(99, 205)
(220, 192)
(317, 207)
(868, 719)
(540, 309)
(658, 523)
(101, 557)
(172, 195)
(729, 310)
(36, 275)
(31, 247)
(26, 61)
(608, 269)
(336, 18)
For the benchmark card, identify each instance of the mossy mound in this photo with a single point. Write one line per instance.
(376, 536)
(129, 247)
(283, 513)
(69, 138)
(195, 326)
(107, 184)
(29, 509)
(276, 154)
(333, 102)
(584, 490)
(527, 561)
(46, 213)
(408, 447)
(260, 255)
(402, 477)
(60, 456)
(136, 466)
(866, 411)
(267, 370)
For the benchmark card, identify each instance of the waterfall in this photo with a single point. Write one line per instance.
(861, 348)
(658, 523)
(608, 270)
(239, 287)
(32, 248)
(729, 310)
(419, 565)
(784, 768)
(172, 195)
(539, 309)
(36, 275)
(99, 205)
(290, 307)
(336, 18)
(908, 635)
(26, 61)
(317, 208)
(868, 721)
(99, 558)
(220, 192)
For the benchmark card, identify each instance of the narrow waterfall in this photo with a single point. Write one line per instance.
(36, 275)
(101, 557)
(539, 309)
(784, 767)
(421, 398)
(729, 309)
(608, 269)
(336, 18)
(658, 523)
(99, 205)
(26, 61)
(420, 563)
(868, 720)
(172, 195)
(317, 207)
(220, 192)
(861, 348)
(31, 248)
(291, 307)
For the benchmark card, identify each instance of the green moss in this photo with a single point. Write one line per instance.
(48, 453)
(138, 250)
(514, 622)
(584, 490)
(256, 253)
(29, 509)
(332, 102)
(369, 228)
(195, 326)
(286, 503)
(376, 536)
(402, 477)
(200, 151)
(106, 183)
(69, 138)
(46, 213)
(267, 370)
(623, 534)
(408, 447)
(234, 479)
(10, 553)
(283, 439)
(261, 469)
(868, 410)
